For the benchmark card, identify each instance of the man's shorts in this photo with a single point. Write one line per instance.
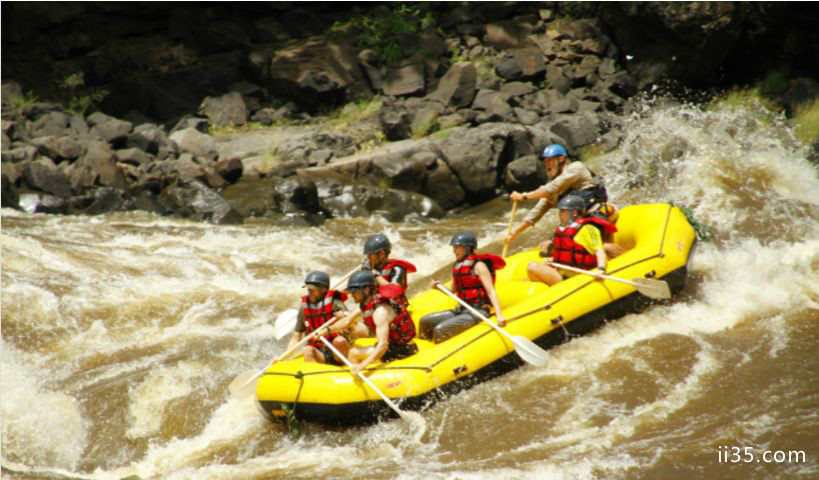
(399, 351)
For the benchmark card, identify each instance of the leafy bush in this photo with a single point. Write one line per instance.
(77, 98)
(383, 34)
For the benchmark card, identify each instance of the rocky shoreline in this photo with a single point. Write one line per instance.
(225, 120)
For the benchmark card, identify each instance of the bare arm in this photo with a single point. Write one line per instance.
(345, 321)
(382, 318)
(602, 261)
(296, 338)
(486, 279)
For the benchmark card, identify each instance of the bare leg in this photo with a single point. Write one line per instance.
(312, 355)
(539, 272)
(613, 250)
(359, 353)
(342, 345)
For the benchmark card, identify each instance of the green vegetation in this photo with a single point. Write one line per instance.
(77, 98)
(458, 55)
(384, 33)
(806, 121)
(25, 100)
(774, 84)
(743, 97)
(216, 130)
(443, 134)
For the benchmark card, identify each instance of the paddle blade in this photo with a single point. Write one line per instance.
(245, 384)
(285, 323)
(529, 352)
(652, 288)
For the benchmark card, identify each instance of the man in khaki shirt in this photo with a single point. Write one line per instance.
(565, 176)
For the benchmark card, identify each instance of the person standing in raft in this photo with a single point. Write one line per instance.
(383, 317)
(317, 307)
(386, 270)
(473, 280)
(578, 242)
(566, 178)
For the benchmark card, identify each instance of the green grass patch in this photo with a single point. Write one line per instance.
(443, 134)
(216, 130)
(748, 98)
(806, 121)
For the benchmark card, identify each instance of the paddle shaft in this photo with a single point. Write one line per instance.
(283, 327)
(365, 379)
(607, 277)
(509, 230)
(476, 312)
(345, 277)
(288, 352)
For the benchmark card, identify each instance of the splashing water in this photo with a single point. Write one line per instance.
(122, 332)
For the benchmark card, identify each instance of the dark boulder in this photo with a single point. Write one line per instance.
(521, 64)
(525, 173)
(297, 194)
(228, 110)
(395, 121)
(316, 72)
(681, 40)
(193, 199)
(577, 130)
(405, 79)
(458, 86)
(110, 129)
(58, 148)
(347, 200)
(9, 197)
(443, 186)
(42, 175)
(97, 166)
(195, 142)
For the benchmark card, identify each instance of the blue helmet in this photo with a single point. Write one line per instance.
(554, 150)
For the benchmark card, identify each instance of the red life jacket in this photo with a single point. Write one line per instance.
(402, 329)
(388, 270)
(569, 252)
(317, 314)
(468, 285)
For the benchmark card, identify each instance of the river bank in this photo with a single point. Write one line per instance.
(454, 113)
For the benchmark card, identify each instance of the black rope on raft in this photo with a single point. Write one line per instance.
(292, 421)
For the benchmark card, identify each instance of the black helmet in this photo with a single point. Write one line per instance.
(361, 279)
(572, 202)
(467, 239)
(377, 243)
(318, 278)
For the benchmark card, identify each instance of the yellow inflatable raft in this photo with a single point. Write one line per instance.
(658, 239)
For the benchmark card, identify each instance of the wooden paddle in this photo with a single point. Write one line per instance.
(647, 286)
(240, 386)
(366, 380)
(509, 230)
(286, 321)
(528, 351)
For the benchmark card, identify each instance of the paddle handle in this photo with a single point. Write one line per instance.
(475, 312)
(365, 379)
(304, 340)
(509, 230)
(607, 277)
(345, 277)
